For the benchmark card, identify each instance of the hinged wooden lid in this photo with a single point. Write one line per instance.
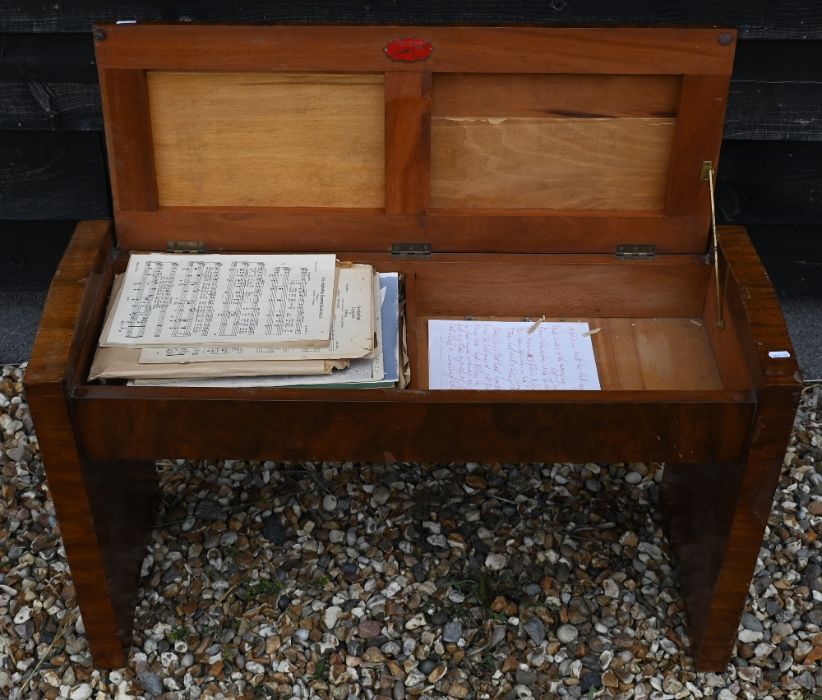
(360, 138)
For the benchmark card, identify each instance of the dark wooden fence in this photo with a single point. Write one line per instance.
(52, 162)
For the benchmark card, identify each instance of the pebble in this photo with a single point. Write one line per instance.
(427, 666)
(610, 588)
(747, 636)
(416, 622)
(806, 680)
(381, 495)
(23, 615)
(209, 510)
(370, 629)
(81, 692)
(436, 673)
(751, 622)
(535, 629)
(330, 503)
(567, 633)
(525, 677)
(532, 590)
(331, 616)
(439, 541)
(254, 667)
(496, 562)
(151, 683)
(610, 679)
(414, 677)
(373, 655)
(274, 531)
(452, 632)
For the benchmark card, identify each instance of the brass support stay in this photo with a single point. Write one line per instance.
(708, 174)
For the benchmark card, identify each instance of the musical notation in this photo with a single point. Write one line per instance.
(245, 299)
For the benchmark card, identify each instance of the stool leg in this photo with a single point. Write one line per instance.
(105, 510)
(699, 502)
(122, 496)
(717, 515)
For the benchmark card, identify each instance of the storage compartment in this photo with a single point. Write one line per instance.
(652, 322)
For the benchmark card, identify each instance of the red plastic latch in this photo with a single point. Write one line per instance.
(409, 50)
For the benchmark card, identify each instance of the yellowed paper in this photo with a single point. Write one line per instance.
(123, 363)
(249, 299)
(352, 332)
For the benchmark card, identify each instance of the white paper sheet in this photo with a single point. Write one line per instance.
(170, 299)
(502, 355)
(352, 332)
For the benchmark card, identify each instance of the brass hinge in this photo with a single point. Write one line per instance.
(185, 247)
(709, 175)
(635, 251)
(411, 250)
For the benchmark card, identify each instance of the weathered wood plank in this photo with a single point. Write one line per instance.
(48, 82)
(770, 182)
(799, 19)
(57, 56)
(776, 91)
(34, 104)
(52, 175)
(31, 251)
(792, 256)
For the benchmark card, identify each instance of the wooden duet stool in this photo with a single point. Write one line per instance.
(506, 173)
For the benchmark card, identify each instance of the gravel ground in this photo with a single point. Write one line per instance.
(273, 580)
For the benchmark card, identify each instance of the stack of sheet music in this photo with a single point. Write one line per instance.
(251, 320)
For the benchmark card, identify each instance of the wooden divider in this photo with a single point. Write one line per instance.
(407, 142)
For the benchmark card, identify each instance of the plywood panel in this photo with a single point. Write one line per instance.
(533, 95)
(654, 353)
(267, 139)
(551, 163)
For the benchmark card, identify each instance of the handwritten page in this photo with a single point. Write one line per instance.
(352, 331)
(502, 355)
(170, 299)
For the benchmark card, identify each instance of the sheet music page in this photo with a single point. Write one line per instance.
(362, 371)
(352, 332)
(172, 299)
(503, 355)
